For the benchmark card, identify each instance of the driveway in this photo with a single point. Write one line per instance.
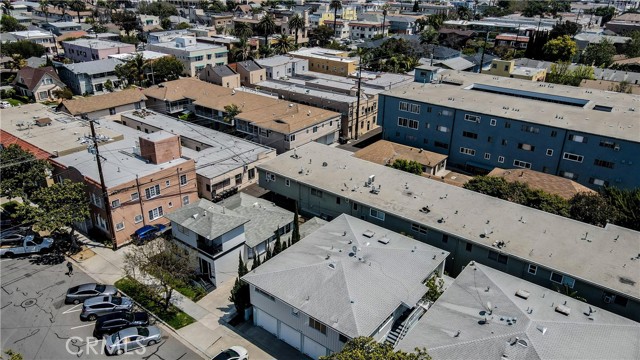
(37, 324)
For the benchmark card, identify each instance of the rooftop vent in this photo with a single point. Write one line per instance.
(368, 234)
(524, 294)
(563, 309)
(332, 265)
(384, 240)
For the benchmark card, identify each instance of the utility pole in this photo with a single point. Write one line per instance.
(484, 49)
(103, 186)
(358, 100)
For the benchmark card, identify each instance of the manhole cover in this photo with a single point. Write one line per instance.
(28, 303)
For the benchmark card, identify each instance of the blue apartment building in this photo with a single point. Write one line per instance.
(481, 122)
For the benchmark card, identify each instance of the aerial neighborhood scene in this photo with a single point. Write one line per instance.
(320, 179)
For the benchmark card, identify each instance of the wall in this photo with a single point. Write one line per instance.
(81, 53)
(248, 78)
(208, 75)
(119, 109)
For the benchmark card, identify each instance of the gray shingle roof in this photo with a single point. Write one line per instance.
(207, 219)
(352, 293)
(542, 334)
(94, 67)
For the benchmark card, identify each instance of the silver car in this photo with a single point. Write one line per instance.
(80, 293)
(101, 305)
(132, 338)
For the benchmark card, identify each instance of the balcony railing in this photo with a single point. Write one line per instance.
(208, 247)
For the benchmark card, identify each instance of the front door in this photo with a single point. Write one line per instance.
(205, 267)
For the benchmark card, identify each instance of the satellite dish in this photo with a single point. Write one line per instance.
(354, 249)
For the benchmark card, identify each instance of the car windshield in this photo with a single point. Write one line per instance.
(100, 288)
(226, 355)
(74, 289)
(116, 300)
(143, 331)
(115, 337)
(38, 240)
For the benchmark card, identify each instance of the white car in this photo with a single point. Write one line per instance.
(233, 353)
(4, 105)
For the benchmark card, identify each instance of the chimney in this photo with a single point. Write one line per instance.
(160, 147)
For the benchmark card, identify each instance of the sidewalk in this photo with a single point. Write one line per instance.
(210, 334)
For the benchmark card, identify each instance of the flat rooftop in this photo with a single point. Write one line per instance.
(592, 254)
(97, 43)
(32, 33)
(65, 135)
(301, 89)
(220, 152)
(458, 90)
(146, 54)
(94, 67)
(517, 328)
(277, 60)
(196, 47)
(322, 53)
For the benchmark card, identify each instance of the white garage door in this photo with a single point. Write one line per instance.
(313, 349)
(289, 335)
(267, 322)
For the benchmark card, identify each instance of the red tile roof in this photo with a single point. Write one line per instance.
(7, 139)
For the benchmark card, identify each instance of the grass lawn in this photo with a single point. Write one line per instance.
(141, 293)
(13, 102)
(192, 292)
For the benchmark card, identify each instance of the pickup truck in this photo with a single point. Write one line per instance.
(27, 245)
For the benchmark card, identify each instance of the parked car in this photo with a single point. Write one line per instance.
(4, 105)
(147, 233)
(102, 305)
(16, 244)
(116, 321)
(132, 338)
(80, 293)
(233, 353)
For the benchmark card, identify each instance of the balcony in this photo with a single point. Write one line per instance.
(208, 247)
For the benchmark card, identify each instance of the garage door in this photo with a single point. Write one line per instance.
(289, 335)
(267, 322)
(313, 349)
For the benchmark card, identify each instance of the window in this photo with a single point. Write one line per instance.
(413, 124)
(554, 133)
(404, 122)
(504, 142)
(487, 156)
(155, 213)
(418, 228)
(185, 200)
(530, 129)
(287, 182)
(507, 125)
(578, 138)
(167, 183)
(343, 339)
(473, 118)
(376, 214)
(526, 147)
(493, 122)
(568, 175)
(598, 182)
(412, 108)
(120, 226)
(501, 159)
(549, 152)
(315, 129)
(43, 95)
(573, 157)
(313, 323)
(445, 238)
(489, 139)
(440, 145)
(137, 219)
(609, 144)
(446, 113)
(443, 129)
(315, 192)
(115, 204)
(501, 258)
(562, 279)
(170, 204)
(533, 269)
(270, 176)
(338, 200)
(152, 192)
(470, 134)
(602, 163)
(265, 294)
(467, 151)
(251, 173)
(183, 180)
(522, 164)
(355, 206)
(290, 138)
(468, 247)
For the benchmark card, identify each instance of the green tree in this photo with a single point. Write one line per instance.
(489, 185)
(429, 36)
(385, 11)
(435, 286)
(267, 26)
(158, 8)
(242, 30)
(410, 166)
(436, 20)
(240, 295)
(108, 85)
(21, 174)
(78, 6)
(335, 5)
(9, 24)
(592, 208)
(535, 8)
(366, 348)
(416, 6)
(627, 204)
(565, 290)
(296, 23)
(24, 48)
(600, 54)
(322, 35)
(126, 20)
(242, 267)
(64, 93)
(230, 113)
(632, 47)
(621, 87)
(606, 12)
(561, 74)
(567, 27)
(295, 232)
(283, 44)
(133, 71)
(183, 25)
(166, 68)
(168, 263)
(277, 247)
(560, 49)
(44, 7)
(536, 44)
(463, 13)
(12, 355)
(165, 23)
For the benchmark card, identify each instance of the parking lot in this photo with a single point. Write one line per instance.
(37, 324)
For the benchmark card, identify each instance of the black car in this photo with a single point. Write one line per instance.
(114, 322)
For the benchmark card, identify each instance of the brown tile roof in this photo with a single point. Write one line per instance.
(552, 184)
(32, 76)
(101, 102)
(630, 61)
(385, 152)
(71, 35)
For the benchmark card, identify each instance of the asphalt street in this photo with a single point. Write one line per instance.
(36, 323)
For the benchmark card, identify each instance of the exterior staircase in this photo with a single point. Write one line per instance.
(397, 328)
(405, 322)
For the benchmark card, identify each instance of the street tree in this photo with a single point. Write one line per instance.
(599, 54)
(267, 26)
(21, 173)
(296, 23)
(166, 68)
(169, 265)
(366, 348)
(562, 48)
(335, 5)
(429, 36)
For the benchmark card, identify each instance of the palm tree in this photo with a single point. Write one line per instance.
(410, 62)
(77, 6)
(242, 30)
(44, 7)
(296, 23)
(283, 44)
(267, 26)
(241, 50)
(335, 5)
(463, 13)
(385, 10)
(231, 111)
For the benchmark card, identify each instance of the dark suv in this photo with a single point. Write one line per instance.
(114, 322)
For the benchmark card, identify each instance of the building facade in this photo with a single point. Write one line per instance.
(82, 50)
(90, 77)
(46, 39)
(334, 62)
(193, 56)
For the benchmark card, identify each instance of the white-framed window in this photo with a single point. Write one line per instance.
(573, 157)
(376, 214)
(403, 122)
(568, 175)
(533, 269)
(413, 124)
(287, 182)
(183, 179)
(185, 200)
(135, 196)
(156, 213)
(467, 151)
(315, 192)
(412, 108)
(170, 204)
(526, 147)
(522, 164)
(598, 182)
(501, 159)
(115, 204)
(578, 138)
(152, 191)
(120, 226)
(137, 219)
(270, 176)
(493, 122)
(473, 118)
(446, 112)
(418, 228)
(167, 183)
(562, 279)
(443, 129)
(549, 152)
(487, 156)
